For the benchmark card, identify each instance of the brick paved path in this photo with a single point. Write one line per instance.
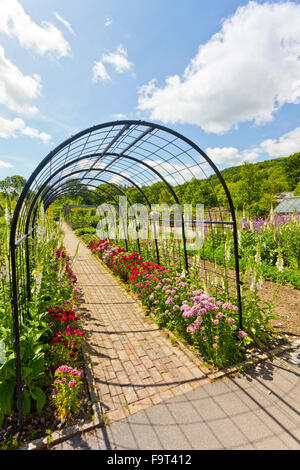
(134, 364)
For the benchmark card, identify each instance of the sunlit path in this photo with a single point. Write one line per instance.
(135, 366)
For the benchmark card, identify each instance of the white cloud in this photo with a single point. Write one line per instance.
(244, 73)
(45, 38)
(17, 90)
(117, 179)
(119, 116)
(64, 22)
(5, 164)
(118, 60)
(10, 128)
(231, 155)
(286, 145)
(174, 173)
(99, 71)
(108, 22)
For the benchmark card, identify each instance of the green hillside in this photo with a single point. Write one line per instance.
(253, 187)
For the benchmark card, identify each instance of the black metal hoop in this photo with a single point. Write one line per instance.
(136, 152)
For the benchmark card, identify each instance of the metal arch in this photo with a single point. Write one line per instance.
(116, 187)
(21, 217)
(126, 125)
(49, 201)
(49, 188)
(64, 192)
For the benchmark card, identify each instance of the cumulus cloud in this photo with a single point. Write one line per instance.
(11, 128)
(286, 145)
(15, 22)
(231, 155)
(64, 22)
(173, 172)
(244, 73)
(99, 71)
(5, 164)
(17, 90)
(118, 60)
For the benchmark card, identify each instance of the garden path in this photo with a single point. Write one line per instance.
(135, 365)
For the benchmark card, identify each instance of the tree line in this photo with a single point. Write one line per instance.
(252, 186)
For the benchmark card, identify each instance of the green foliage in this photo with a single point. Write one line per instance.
(50, 286)
(12, 184)
(82, 231)
(297, 189)
(291, 168)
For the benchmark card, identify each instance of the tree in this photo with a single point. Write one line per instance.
(297, 189)
(291, 167)
(12, 184)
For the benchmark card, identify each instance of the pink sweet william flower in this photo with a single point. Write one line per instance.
(62, 369)
(72, 383)
(215, 345)
(243, 334)
(55, 391)
(216, 322)
(231, 320)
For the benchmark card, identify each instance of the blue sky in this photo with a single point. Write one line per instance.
(224, 73)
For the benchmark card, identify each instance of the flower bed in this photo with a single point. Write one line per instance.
(179, 304)
(51, 340)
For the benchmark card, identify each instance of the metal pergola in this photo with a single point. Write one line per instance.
(120, 153)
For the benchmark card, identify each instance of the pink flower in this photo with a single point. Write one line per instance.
(55, 391)
(216, 322)
(215, 345)
(231, 320)
(242, 334)
(72, 383)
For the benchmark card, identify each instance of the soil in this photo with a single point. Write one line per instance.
(40, 425)
(287, 308)
(286, 301)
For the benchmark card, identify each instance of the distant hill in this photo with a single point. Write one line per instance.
(232, 174)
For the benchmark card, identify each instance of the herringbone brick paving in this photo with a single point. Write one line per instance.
(135, 365)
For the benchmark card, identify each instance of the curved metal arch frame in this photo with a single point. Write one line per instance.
(125, 130)
(46, 183)
(105, 182)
